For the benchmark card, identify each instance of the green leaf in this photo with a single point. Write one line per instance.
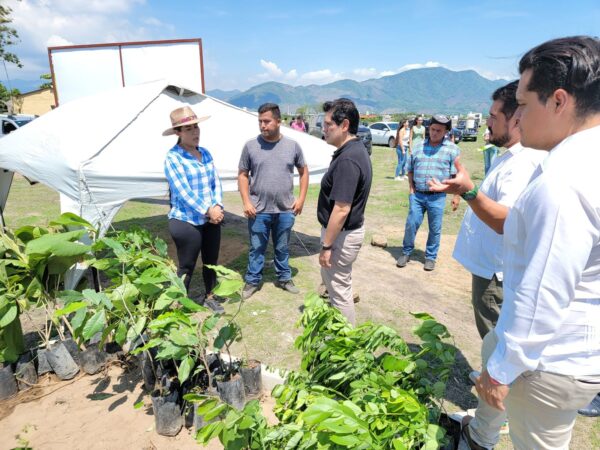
(164, 301)
(422, 316)
(439, 388)
(185, 368)
(95, 324)
(191, 305)
(226, 288)
(71, 307)
(183, 338)
(9, 315)
(210, 323)
(169, 350)
(70, 219)
(346, 440)
(59, 244)
(153, 275)
(121, 333)
(215, 412)
(138, 405)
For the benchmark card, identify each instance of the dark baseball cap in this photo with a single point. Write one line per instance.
(442, 120)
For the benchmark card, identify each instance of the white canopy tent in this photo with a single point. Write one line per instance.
(102, 150)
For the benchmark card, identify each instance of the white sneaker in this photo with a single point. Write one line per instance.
(397, 178)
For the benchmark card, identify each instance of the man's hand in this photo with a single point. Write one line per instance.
(325, 258)
(249, 210)
(493, 394)
(455, 201)
(458, 185)
(297, 207)
(215, 214)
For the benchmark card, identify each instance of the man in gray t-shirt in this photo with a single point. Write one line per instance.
(265, 180)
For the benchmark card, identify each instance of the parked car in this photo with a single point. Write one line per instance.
(469, 129)
(10, 122)
(457, 134)
(384, 133)
(364, 133)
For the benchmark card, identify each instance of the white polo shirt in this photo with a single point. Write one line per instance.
(550, 318)
(479, 248)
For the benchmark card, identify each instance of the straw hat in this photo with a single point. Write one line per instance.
(183, 116)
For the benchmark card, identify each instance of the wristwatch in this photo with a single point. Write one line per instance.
(470, 195)
(326, 247)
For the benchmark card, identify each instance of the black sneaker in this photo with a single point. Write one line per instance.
(214, 306)
(402, 261)
(249, 290)
(429, 265)
(287, 285)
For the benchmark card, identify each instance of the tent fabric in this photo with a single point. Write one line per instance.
(102, 150)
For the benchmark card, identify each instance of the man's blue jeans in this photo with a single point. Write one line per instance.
(420, 203)
(280, 226)
(400, 167)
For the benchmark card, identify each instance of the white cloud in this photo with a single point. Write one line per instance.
(271, 68)
(321, 76)
(57, 41)
(365, 73)
(43, 23)
(419, 66)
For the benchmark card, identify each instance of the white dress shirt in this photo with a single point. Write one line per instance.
(550, 318)
(479, 248)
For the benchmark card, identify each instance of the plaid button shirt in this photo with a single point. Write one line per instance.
(195, 186)
(427, 162)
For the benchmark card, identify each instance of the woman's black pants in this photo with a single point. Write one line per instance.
(191, 241)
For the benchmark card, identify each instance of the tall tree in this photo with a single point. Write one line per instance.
(8, 37)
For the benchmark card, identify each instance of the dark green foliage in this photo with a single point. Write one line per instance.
(360, 388)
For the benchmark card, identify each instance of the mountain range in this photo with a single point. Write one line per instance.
(427, 90)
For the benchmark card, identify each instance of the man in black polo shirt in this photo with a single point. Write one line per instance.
(342, 200)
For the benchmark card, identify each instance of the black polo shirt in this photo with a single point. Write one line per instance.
(348, 180)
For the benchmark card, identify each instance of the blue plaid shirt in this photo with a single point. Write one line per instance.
(427, 162)
(195, 186)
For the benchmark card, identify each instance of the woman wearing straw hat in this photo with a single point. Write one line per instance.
(196, 201)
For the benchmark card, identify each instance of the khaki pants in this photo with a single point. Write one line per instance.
(338, 277)
(541, 406)
(486, 296)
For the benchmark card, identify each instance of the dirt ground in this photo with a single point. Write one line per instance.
(72, 415)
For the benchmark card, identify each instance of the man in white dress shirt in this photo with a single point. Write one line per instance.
(542, 362)
(479, 248)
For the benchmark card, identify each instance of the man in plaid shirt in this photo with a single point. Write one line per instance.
(434, 158)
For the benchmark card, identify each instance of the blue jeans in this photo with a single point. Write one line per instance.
(400, 167)
(420, 203)
(280, 225)
(489, 154)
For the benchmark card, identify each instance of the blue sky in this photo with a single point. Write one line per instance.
(306, 42)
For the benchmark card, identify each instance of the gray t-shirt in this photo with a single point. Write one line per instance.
(271, 168)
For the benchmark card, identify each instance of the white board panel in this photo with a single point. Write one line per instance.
(178, 62)
(85, 71)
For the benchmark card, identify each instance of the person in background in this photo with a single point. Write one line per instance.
(342, 200)
(417, 134)
(298, 124)
(402, 138)
(266, 184)
(478, 248)
(432, 158)
(490, 152)
(196, 201)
